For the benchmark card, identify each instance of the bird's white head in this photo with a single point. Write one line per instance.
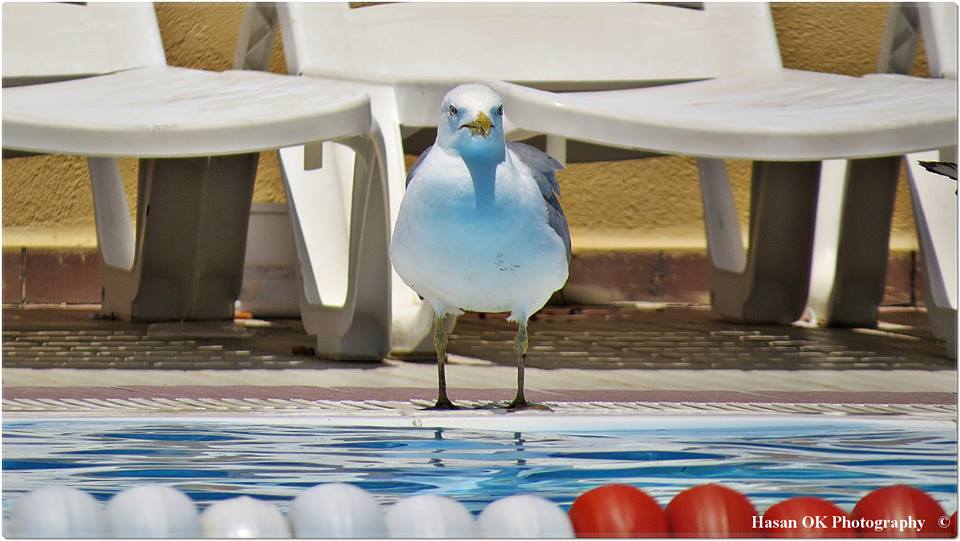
(471, 123)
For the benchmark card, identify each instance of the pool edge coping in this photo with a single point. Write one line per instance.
(476, 415)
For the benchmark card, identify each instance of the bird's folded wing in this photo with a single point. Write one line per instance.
(544, 170)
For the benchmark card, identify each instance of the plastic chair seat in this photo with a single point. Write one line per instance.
(791, 115)
(164, 112)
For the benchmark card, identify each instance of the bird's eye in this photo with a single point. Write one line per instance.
(500, 111)
(453, 111)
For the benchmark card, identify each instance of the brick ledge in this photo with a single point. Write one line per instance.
(72, 276)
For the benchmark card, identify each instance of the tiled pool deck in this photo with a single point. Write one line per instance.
(641, 359)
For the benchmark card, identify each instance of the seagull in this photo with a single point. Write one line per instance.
(480, 227)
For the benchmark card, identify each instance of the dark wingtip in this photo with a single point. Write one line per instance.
(947, 169)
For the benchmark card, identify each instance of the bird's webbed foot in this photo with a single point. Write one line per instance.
(443, 403)
(520, 404)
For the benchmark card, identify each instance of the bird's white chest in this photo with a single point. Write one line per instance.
(447, 215)
(477, 245)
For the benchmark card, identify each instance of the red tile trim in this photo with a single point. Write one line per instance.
(73, 277)
(13, 276)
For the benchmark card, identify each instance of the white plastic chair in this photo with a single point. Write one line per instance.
(197, 133)
(751, 108)
(934, 210)
(837, 293)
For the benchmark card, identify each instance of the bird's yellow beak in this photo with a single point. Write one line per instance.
(480, 125)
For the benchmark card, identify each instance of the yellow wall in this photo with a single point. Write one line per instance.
(632, 204)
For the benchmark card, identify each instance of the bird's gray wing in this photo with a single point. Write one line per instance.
(947, 169)
(544, 171)
(413, 168)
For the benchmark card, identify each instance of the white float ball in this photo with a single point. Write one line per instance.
(243, 517)
(155, 511)
(59, 512)
(429, 516)
(524, 516)
(337, 510)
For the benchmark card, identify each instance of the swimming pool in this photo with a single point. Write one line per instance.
(767, 458)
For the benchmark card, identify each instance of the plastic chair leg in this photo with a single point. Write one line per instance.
(823, 267)
(863, 241)
(114, 228)
(187, 260)
(411, 319)
(342, 214)
(935, 211)
(768, 284)
(332, 227)
(339, 221)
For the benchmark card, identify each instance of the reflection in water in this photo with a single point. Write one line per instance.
(520, 441)
(216, 460)
(437, 461)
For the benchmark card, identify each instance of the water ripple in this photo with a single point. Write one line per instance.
(214, 461)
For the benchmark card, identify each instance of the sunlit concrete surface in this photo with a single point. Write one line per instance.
(644, 353)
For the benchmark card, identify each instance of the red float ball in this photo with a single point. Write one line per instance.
(617, 511)
(900, 503)
(712, 511)
(807, 517)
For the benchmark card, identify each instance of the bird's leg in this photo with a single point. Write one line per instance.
(440, 344)
(520, 345)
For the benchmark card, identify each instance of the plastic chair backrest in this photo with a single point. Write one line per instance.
(51, 41)
(540, 43)
(939, 23)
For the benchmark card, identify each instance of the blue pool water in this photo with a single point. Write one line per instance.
(839, 460)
